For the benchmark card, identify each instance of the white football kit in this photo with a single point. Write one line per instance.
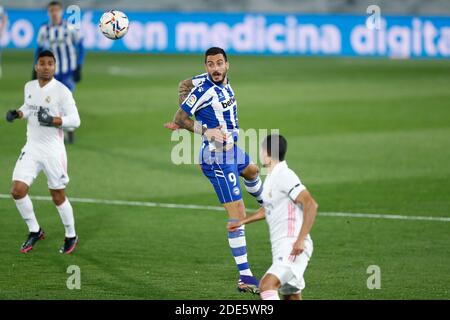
(44, 149)
(284, 217)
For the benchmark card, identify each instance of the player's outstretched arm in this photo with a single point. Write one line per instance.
(309, 215)
(12, 115)
(258, 215)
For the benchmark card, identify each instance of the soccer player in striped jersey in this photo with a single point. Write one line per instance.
(210, 98)
(64, 40)
(290, 211)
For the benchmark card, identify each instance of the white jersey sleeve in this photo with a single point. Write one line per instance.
(70, 117)
(24, 108)
(291, 184)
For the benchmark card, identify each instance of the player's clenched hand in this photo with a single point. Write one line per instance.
(172, 126)
(11, 115)
(233, 225)
(44, 118)
(297, 248)
(215, 134)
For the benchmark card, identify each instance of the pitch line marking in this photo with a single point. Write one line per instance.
(217, 208)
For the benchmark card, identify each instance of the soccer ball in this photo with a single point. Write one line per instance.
(114, 24)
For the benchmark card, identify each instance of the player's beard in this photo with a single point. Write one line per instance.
(224, 75)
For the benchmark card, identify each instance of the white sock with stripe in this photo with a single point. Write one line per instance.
(236, 240)
(254, 187)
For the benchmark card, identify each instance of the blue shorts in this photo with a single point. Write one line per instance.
(223, 170)
(67, 79)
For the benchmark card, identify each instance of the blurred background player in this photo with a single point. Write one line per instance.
(64, 40)
(48, 108)
(290, 211)
(3, 23)
(211, 99)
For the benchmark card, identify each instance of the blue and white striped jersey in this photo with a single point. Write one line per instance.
(213, 105)
(64, 40)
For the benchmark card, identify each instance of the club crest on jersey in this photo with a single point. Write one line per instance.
(191, 101)
(48, 99)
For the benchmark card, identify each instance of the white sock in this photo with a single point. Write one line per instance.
(25, 207)
(269, 295)
(66, 213)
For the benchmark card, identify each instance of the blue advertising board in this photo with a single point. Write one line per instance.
(248, 33)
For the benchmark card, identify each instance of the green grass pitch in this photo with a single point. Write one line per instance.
(365, 135)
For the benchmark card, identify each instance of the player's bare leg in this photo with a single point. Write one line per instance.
(297, 296)
(269, 287)
(252, 181)
(66, 213)
(250, 172)
(19, 192)
(235, 209)
(236, 239)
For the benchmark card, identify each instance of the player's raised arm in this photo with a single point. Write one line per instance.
(258, 215)
(309, 215)
(184, 88)
(183, 120)
(196, 100)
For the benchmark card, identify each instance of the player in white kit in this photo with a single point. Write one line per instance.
(48, 108)
(290, 211)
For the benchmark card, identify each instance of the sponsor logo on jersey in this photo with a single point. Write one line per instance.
(48, 99)
(192, 100)
(228, 103)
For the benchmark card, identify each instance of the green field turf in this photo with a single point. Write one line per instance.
(366, 136)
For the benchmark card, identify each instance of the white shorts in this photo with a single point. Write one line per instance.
(290, 273)
(29, 165)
